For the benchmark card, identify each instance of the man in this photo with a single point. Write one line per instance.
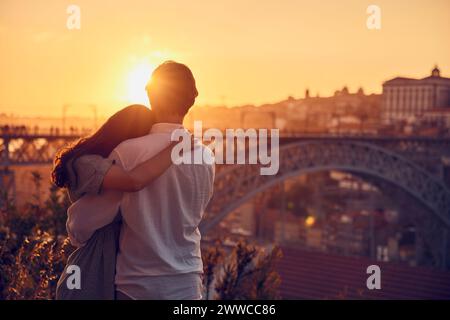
(159, 255)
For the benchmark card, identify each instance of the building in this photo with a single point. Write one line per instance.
(405, 99)
(438, 117)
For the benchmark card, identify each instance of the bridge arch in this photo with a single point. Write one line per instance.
(237, 184)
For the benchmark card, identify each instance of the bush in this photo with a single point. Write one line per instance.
(33, 245)
(245, 273)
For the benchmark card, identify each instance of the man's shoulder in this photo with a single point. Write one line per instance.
(131, 149)
(208, 156)
(207, 164)
(135, 144)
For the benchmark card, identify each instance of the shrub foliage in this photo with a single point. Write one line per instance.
(34, 249)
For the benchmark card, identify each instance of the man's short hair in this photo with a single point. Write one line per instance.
(172, 88)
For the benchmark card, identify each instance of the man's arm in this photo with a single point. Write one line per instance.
(211, 172)
(92, 212)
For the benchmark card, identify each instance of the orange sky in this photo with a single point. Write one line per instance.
(240, 51)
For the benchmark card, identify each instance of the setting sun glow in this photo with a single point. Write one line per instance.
(137, 79)
(241, 52)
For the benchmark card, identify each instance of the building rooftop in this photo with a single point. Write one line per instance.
(318, 275)
(435, 76)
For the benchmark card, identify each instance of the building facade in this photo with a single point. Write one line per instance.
(406, 99)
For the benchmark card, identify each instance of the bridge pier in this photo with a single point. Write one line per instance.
(283, 212)
(446, 171)
(445, 248)
(7, 185)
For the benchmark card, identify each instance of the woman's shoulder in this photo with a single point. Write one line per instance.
(91, 164)
(88, 173)
(89, 159)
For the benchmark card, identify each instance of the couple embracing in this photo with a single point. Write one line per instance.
(135, 215)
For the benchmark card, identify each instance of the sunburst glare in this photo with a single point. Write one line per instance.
(137, 79)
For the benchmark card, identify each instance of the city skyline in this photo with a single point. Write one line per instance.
(307, 93)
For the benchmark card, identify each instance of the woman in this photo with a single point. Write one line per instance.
(83, 168)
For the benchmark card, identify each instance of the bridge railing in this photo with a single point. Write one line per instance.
(36, 131)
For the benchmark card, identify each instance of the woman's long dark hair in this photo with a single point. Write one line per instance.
(131, 122)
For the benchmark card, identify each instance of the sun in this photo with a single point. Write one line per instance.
(137, 79)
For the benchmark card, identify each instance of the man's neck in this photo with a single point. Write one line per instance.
(169, 119)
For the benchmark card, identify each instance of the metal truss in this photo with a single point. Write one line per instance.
(236, 184)
(24, 150)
